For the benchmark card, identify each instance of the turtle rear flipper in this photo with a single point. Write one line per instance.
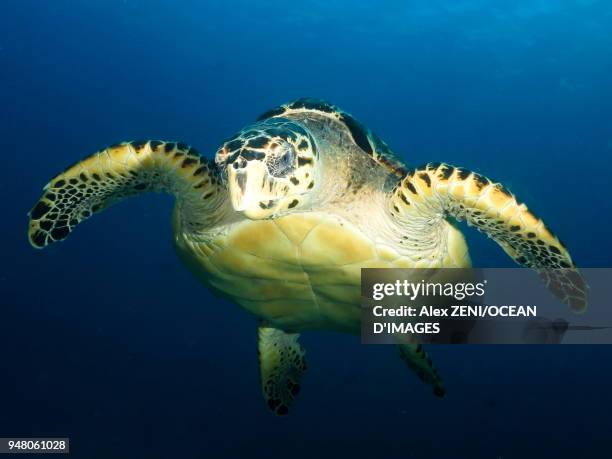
(427, 195)
(281, 365)
(417, 359)
(123, 170)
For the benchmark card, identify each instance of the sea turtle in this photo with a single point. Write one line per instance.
(290, 210)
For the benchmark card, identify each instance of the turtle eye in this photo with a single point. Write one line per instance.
(282, 163)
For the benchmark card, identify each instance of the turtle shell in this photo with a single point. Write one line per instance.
(363, 137)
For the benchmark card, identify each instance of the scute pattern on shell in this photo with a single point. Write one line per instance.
(363, 137)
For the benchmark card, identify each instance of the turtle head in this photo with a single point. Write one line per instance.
(269, 168)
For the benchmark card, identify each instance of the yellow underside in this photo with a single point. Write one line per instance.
(302, 271)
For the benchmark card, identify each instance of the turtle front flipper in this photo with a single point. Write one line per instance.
(123, 170)
(428, 195)
(281, 365)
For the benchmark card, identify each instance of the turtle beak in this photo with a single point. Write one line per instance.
(246, 185)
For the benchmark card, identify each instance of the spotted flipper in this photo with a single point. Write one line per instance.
(417, 359)
(126, 169)
(281, 365)
(426, 196)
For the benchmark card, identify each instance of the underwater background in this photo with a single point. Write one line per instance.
(108, 340)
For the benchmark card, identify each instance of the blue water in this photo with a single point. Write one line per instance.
(107, 339)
